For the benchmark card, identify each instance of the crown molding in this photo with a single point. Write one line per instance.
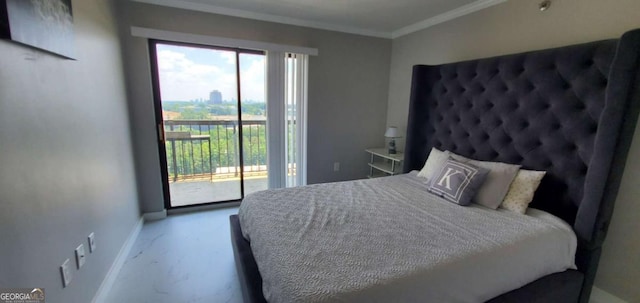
(444, 17)
(447, 16)
(266, 17)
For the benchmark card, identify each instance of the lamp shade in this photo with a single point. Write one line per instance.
(392, 132)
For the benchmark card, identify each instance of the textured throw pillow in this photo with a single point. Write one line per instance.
(434, 162)
(457, 182)
(522, 189)
(496, 186)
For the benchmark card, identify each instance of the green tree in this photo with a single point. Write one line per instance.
(194, 114)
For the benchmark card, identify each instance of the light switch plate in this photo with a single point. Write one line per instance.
(80, 257)
(92, 242)
(66, 273)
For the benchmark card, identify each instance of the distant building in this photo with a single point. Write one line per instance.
(215, 97)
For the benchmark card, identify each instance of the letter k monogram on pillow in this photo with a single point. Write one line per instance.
(446, 178)
(458, 182)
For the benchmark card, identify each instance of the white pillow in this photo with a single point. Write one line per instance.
(522, 189)
(434, 162)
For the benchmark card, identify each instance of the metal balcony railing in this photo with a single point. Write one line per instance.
(209, 148)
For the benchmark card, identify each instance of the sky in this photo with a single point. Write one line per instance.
(190, 73)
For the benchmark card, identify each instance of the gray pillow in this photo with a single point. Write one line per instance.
(458, 182)
(496, 185)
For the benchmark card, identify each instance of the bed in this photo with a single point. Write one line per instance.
(569, 111)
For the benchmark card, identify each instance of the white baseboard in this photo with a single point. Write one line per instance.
(107, 283)
(155, 215)
(600, 296)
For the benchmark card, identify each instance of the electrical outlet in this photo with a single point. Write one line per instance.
(66, 273)
(92, 242)
(336, 166)
(80, 257)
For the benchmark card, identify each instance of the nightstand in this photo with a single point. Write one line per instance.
(384, 164)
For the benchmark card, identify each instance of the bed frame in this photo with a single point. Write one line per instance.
(570, 111)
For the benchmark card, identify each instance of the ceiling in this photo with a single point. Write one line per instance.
(378, 18)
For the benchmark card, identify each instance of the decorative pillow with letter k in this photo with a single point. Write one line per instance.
(458, 182)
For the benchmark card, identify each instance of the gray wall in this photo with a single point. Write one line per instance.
(347, 96)
(66, 162)
(517, 26)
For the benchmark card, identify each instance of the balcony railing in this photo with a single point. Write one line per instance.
(209, 148)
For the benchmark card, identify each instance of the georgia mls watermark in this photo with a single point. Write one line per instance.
(22, 295)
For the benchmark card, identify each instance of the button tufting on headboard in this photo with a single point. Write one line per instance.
(539, 109)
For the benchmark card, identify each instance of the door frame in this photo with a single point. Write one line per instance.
(159, 121)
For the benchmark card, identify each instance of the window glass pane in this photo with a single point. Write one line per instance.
(198, 92)
(254, 121)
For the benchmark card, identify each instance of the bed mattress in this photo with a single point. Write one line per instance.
(390, 240)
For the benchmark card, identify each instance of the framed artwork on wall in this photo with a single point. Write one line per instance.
(43, 24)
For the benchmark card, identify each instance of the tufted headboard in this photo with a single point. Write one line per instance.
(570, 111)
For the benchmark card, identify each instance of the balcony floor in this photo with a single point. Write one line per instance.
(191, 192)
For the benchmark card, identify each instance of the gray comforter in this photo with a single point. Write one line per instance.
(389, 240)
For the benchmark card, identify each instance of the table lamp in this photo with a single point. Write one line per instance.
(392, 132)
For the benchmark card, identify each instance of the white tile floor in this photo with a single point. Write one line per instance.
(183, 258)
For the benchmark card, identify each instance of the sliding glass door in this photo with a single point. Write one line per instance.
(211, 117)
(252, 71)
